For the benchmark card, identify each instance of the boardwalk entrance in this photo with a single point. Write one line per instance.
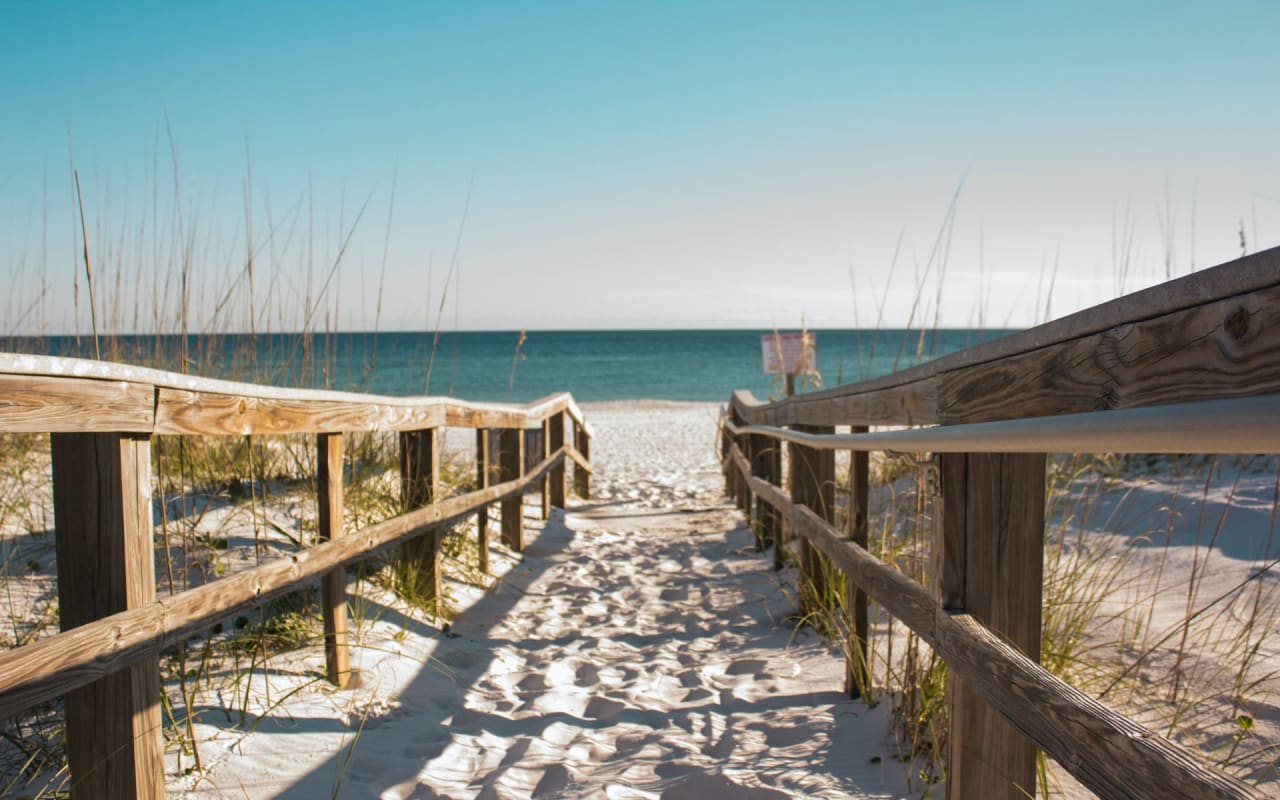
(642, 648)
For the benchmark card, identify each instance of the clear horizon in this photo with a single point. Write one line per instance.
(571, 166)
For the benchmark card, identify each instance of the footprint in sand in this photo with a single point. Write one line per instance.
(588, 675)
(553, 782)
(604, 709)
(754, 667)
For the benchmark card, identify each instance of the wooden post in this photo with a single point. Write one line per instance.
(759, 450)
(766, 464)
(813, 482)
(484, 474)
(744, 488)
(555, 437)
(102, 515)
(582, 478)
(333, 586)
(857, 669)
(511, 465)
(545, 450)
(419, 475)
(737, 484)
(989, 561)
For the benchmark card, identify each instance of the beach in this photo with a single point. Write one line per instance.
(641, 647)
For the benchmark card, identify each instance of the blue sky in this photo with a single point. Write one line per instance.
(632, 165)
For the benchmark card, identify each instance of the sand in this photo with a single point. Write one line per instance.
(639, 649)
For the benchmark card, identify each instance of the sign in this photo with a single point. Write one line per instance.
(788, 353)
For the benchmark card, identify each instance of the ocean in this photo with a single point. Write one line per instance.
(696, 365)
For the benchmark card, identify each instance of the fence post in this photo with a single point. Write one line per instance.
(511, 464)
(484, 474)
(813, 475)
(333, 587)
(545, 450)
(858, 669)
(737, 484)
(555, 439)
(582, 478)
(989, 561)
(766, 464)
(102, 517)
(419, 471)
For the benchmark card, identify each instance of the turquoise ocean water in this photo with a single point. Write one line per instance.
(702, 365)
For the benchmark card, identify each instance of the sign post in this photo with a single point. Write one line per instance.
(788, 354)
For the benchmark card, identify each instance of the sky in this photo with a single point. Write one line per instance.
(559, 165)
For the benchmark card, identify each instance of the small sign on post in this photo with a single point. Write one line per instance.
(788, 354)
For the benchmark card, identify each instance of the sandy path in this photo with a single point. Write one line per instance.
(648, 659)
(640, 649)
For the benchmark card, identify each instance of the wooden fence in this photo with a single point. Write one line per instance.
(1161, 370)
(101, 416)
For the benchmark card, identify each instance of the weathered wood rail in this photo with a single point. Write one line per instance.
(100, 418)
(1192, 365)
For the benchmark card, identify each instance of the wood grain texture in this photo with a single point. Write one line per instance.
(511, 466)
(1112, 755)
(196, 405)
(989, 563)
(333, 584)
(766, 464)
(102, 516)
(50, 667)
(581, 475)
(484, 478)
(544, 491)
(812, 484)
(38, 404)
(857, 667)
(419, 486)
(555, 439)
(1210, 335)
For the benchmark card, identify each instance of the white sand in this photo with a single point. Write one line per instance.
(642, 649)
(638, 650)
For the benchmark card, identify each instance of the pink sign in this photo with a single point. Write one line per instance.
(788, 353)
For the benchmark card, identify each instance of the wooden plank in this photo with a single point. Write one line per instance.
(543, 451)
(484, 476)
(511, 466)
(39, 404)
(1229, 348)
(766, 464)
(1209, 335)
(812, 483)
(419, 486)
(41, 671)
(1112, 755)
(857, 667)
(582, 477)
(333, 585)
(183, 411)
(555, 437)
(205, 413)
(102, 516)
(990, 565)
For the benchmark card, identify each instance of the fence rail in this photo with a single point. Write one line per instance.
(100, 418)
(1192, 365)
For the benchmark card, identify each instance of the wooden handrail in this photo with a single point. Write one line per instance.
(41, 394)
(1211, 335)
(1111, 754)
(49, 667)
(1238, 425)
